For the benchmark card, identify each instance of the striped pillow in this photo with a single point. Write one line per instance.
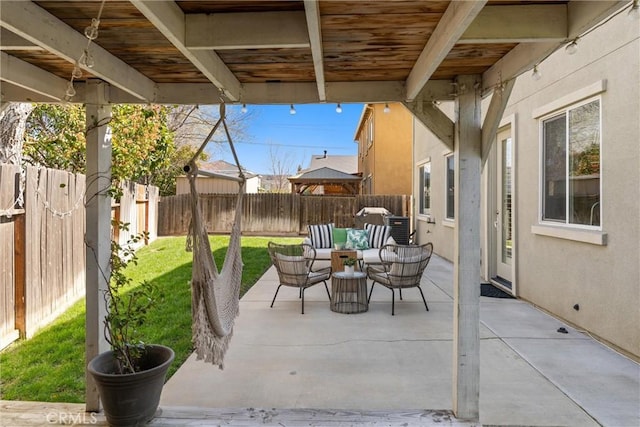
(321, 235)
(378, 234)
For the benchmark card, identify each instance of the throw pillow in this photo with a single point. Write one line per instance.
(339, 237)
(321, 235)
(378, 234)
(357, 239)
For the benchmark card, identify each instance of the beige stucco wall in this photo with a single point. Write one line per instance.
(389, 159)
(434, 228)
(392, 144)
(555, 273)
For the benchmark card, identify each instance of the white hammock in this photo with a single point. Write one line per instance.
(215, 295)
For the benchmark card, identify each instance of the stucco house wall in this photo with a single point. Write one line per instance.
(435, 227)
(384, 151)
(556, 272)
(559, 266)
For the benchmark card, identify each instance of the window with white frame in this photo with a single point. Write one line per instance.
(450, 194)
(425, 188)
(571, 141)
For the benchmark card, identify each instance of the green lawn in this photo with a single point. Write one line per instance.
(50, 366)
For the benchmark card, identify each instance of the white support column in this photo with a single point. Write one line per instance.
(466, 283)
(98, 226)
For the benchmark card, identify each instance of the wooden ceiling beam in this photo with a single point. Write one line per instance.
(286, 93)
(312, 13)
(24, 75)
(249, 30)
(518, 24)
(493, 116)
(169, 19)
(520, 59)
(457, 18)
(365, 92)
(13, 93)
(434, 119)
(581, 16)
(31, 22)
(11, 41)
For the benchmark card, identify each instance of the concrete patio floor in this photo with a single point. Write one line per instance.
(530, 374)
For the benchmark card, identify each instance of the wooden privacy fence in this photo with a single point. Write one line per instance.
(42, 255)
(272, 213)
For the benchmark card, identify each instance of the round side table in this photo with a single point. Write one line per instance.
(349, 292)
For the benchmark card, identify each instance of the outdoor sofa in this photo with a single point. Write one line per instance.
(366, 242)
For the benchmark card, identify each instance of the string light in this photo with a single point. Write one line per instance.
(536, 75)
(86, 59)
(634, 11)
(572, 47)
(244, 108)
(8, 212)
(292, 110)
(338, 108)
(386, 108)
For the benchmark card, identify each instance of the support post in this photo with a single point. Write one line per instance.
(466, 284)
(98, 228)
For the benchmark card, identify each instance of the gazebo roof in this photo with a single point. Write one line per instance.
(325, 175)
(269, 52)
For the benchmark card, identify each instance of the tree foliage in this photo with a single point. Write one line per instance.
(150, 144)
(142, 144)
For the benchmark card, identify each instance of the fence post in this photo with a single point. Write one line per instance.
(19, 227)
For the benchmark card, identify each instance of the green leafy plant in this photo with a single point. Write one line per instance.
(350, 261)
(127, 306)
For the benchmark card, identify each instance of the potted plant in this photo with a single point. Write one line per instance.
(349, 265)
(131, 375)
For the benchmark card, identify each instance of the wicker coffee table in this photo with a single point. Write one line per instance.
(349, 292)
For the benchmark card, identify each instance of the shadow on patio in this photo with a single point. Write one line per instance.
(530, 373)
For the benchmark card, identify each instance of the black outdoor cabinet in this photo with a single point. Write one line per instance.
(399, 228)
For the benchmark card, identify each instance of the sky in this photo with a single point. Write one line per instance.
(313, 129)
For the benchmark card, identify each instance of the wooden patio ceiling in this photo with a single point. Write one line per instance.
(269, 52)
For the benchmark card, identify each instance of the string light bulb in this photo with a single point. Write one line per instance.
(244, 108)
(292, 110)
(634, 11)
(77, 72)
(86, 59)
(536, 75)
(338, 108)
(386, 108)
(71, 91)
(91, 32)
(572, 47)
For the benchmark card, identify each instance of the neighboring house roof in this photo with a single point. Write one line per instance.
(324, 174)
(225, 168)
(346, 164)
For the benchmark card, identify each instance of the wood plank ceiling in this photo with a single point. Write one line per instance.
(281, 51)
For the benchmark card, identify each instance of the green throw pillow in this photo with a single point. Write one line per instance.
(339, 237)
(357, 239)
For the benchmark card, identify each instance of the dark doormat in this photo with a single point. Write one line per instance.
(488, 290)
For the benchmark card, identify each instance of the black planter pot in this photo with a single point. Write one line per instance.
(131, 399)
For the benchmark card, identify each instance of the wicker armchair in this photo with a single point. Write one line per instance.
(294, 264)
(402, 267)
